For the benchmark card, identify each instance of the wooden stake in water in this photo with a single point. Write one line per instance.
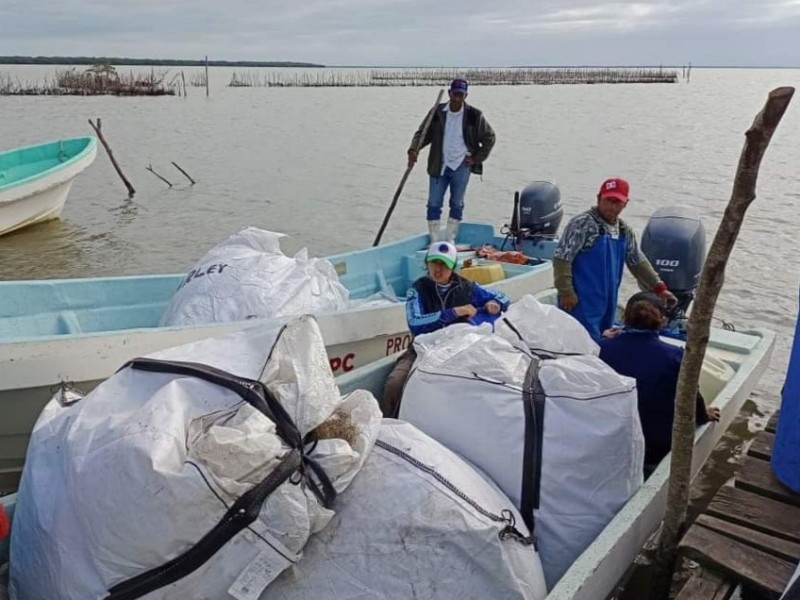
(164, 179)
(98, 129)
(206, 75)
(397, 193)
(189, 177)
(757, 139)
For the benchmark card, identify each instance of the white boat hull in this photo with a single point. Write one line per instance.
(30, 372)
(42, 199)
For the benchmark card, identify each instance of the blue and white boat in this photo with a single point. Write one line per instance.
(734, 363)
(35, 180)
(82, 330)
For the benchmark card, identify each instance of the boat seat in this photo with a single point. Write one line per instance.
(68, 323)
(383, 284)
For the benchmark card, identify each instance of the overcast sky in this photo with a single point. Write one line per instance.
(412, 32)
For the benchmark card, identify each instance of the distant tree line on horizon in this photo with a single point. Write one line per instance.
(158, 62)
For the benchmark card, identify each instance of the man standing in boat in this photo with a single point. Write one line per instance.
(461, 140)
(434, 301)
(591, 255)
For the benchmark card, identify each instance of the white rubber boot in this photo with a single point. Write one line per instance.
(434, 229)
(451, 232)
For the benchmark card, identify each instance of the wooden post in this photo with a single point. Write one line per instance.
(399, 190)
(757, 139)
(206, 75)
(98, 129)
(165, 180)
(189, 177)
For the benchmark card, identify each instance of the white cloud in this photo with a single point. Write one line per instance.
(408, 31)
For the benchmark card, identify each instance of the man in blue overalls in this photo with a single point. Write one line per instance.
(588, 263)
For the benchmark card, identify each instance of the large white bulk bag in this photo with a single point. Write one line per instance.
(145, 477)
(247, 277)
(563, 432)
(417, 522)
(545, 328)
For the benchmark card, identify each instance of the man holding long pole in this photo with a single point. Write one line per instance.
(461, 140)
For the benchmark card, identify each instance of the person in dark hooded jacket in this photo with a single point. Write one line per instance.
(436, 300)
(637, 351)
(461, 140)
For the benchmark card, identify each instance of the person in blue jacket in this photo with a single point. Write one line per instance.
(436, 300)
(593, 250)
(637, 351)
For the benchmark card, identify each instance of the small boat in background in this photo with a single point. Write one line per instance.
(35, 180)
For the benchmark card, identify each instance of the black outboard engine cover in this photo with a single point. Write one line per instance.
(537, 211)
(674, 241)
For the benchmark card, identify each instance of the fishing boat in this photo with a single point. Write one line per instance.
(82, 330)
(733, 365)
(35, 180)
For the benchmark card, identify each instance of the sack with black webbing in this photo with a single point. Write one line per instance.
(558, 433)
(417, 522)
(188, 474)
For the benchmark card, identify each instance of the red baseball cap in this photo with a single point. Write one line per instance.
(615, 188)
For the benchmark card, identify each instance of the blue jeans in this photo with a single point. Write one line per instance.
(457, 182)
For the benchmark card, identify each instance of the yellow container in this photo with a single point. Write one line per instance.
(483, 274)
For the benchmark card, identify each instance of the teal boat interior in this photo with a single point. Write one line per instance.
(21, 165)
(40, 309)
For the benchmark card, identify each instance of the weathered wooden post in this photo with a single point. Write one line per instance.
(757, 139)
(164, 179)
(206, 75)
(98, 129)
(189, 177)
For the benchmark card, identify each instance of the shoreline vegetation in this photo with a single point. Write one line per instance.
(99, 80)
(144, 62)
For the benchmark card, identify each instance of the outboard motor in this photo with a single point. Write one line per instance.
(674, 241)
(537, 212)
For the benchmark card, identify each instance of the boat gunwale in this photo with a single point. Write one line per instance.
(90, 147)
(242, 324)
(418, 240)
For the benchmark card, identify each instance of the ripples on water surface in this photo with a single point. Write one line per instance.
(322, 165)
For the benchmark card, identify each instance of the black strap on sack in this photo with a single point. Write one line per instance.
(533, 400)
(251, 391)
(240, 515)
(246, 509)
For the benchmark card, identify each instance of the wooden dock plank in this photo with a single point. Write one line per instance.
(757, 512)
(763, 572)
(772, 423)
(761, 446)
(756, 476)
(706, 585)
(781, 548)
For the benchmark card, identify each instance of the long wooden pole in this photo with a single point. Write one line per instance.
(399, 190)
(206, 75)
(757, 139)
(98, 129)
